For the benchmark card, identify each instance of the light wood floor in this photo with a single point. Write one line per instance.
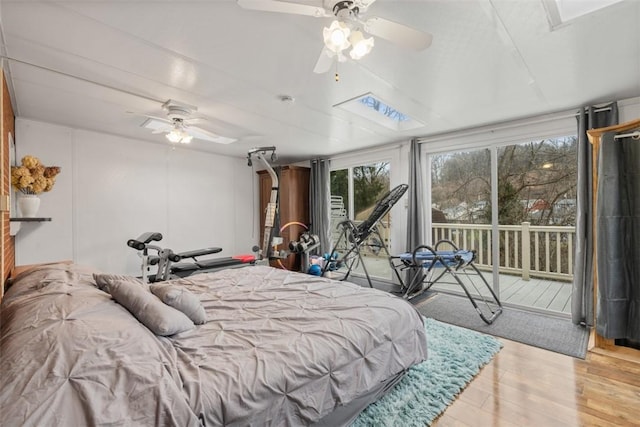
(528, 386)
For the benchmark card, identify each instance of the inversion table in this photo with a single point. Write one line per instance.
(429, 265)
(354, 237)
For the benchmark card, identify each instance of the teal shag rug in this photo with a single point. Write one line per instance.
(455, 356)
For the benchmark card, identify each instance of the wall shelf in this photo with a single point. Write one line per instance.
(16, 222)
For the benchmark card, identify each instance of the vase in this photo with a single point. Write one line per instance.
(28, 204)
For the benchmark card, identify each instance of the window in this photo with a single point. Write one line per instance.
(354, 193)
(461, 201)
(530, 188)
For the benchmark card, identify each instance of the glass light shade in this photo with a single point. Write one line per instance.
(179, 135)
(336, 37)
(174, 135)
(361, 46)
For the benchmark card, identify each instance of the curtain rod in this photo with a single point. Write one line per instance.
(634, 135)
(598, 110)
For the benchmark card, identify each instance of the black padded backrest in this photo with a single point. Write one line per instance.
(382, 207)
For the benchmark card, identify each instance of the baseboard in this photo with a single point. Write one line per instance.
(607, 347)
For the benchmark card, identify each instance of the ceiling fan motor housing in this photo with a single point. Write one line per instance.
(178, 111)
(345, 9)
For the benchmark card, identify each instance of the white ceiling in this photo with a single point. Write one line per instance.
(89, 64)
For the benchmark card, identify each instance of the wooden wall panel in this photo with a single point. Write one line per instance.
(7, 127)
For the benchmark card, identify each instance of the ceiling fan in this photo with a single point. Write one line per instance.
(178, 125)
(348, 30)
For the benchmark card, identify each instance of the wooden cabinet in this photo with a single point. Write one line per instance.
(293, 207)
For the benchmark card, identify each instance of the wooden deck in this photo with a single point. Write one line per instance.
(538, 294)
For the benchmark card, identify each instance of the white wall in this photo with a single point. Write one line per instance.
(112, 189)
(629, 109)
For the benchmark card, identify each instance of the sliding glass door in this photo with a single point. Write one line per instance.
(461, 206)
(354, 193)
(515, 205)
(536, 216)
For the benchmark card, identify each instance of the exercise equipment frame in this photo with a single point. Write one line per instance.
(429, 265)
(353, 237)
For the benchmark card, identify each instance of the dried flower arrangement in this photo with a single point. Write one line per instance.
(32, 177)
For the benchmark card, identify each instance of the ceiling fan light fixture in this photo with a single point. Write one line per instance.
(360, 45)
(178, 135)
(174, 136)
(336, 36)
(176, 131)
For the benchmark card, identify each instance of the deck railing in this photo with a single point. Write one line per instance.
(525, 249)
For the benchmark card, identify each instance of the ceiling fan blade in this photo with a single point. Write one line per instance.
(140, 114)
(191, 121)
(325, 60)
(205, 135)
(397, 33)
(363, 5)
(160, 119)
(157, 125)
(283, 7)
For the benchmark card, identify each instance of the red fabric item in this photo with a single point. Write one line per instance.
(244, 258)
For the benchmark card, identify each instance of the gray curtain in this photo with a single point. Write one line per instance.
(582, 292)
(618, 238)
(320, 203)
(415, 213)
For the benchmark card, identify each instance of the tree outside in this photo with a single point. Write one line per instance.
(536, 183)
(370, 182)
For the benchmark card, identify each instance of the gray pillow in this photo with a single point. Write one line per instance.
(148, 309)
(181, 299)
(103, 280)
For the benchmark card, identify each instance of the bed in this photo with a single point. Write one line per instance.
(278, 348)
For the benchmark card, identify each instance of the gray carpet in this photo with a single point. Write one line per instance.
(548, 332)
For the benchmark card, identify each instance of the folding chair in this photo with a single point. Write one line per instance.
(354, 237)
(429, 265)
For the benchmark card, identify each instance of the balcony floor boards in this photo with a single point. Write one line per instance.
(541, 294)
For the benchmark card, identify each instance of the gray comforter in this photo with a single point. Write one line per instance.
(279, 348)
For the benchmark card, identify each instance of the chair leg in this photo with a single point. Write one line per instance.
(491, 313)
(350, 256)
